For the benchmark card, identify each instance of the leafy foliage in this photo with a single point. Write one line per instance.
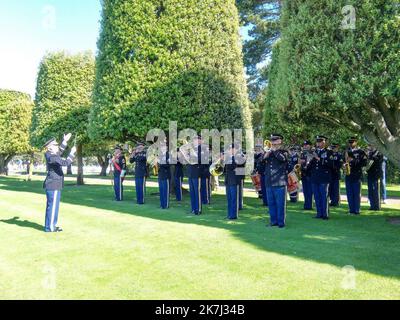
(262, 20)
(340, 78)
(163, 60)
(63, 96)
(15, 120)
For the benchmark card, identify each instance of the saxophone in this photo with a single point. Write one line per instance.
(346, 165)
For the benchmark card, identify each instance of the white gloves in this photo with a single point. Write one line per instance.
(67, 137)
(73, 151)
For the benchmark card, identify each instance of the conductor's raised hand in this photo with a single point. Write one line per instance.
(67, 137)
(73, 150)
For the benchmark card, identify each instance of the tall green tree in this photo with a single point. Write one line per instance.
(15, 120)
(341, 72)
(63, 100)
(163, 60)
(261, 20)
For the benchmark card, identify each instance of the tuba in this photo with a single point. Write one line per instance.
(267, 145)
(217, 168)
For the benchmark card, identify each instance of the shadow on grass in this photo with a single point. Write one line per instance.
(23, 223)
(367, 242)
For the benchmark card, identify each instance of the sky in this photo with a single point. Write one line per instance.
(30, 28)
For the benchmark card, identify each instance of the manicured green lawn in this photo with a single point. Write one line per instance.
(115, 250)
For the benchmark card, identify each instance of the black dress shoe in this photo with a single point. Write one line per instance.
(281, 227)
(271, 225)
(325, 218)
(58, 229)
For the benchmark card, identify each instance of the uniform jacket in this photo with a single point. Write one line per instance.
(119, 164)
(54, 163)
(375, 172)
(305, 167)
(337, 164)
(259, 164)
(294, 159)
(164, 168)
(140, 160)
(321, 169)
(359, 161)
(276, 169)
(196, 169)
(231, 178)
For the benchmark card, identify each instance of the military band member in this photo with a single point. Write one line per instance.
(276, 180)
(178, 176)
(383, 180)
(375, 159)
(357, 160)
(305, 159)
(139, 157)
(205, 187)
(54, 182)
(232, 181)
(320, 168)
(293, 161)
(334, 186)
(260, 169)
(119, 166)
(164, 177)
(194, 175)
(242, 177)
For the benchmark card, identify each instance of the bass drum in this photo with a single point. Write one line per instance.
(293, 183)
(256, 179)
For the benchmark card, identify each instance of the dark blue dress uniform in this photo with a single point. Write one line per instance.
(334, 186)
(320, 178)
(374, 176)
(205, 188)
(354, 180)
(276, 181)
(140, 160)
(119, 164)
(232, 182)
(306, 179)
(53, 184)
(241, 177)
(164, 179)
(178, 176)
(260, 169)
(294, 160)
(195, 170)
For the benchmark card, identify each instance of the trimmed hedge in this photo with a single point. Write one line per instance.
(177, 60)
(15, 120)
(63, 96)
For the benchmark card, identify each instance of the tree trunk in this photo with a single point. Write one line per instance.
(69, 170)
(30, 167)
(104, 165)
(4, 161)
(79, 156)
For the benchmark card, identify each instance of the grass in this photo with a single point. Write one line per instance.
(115, 250)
